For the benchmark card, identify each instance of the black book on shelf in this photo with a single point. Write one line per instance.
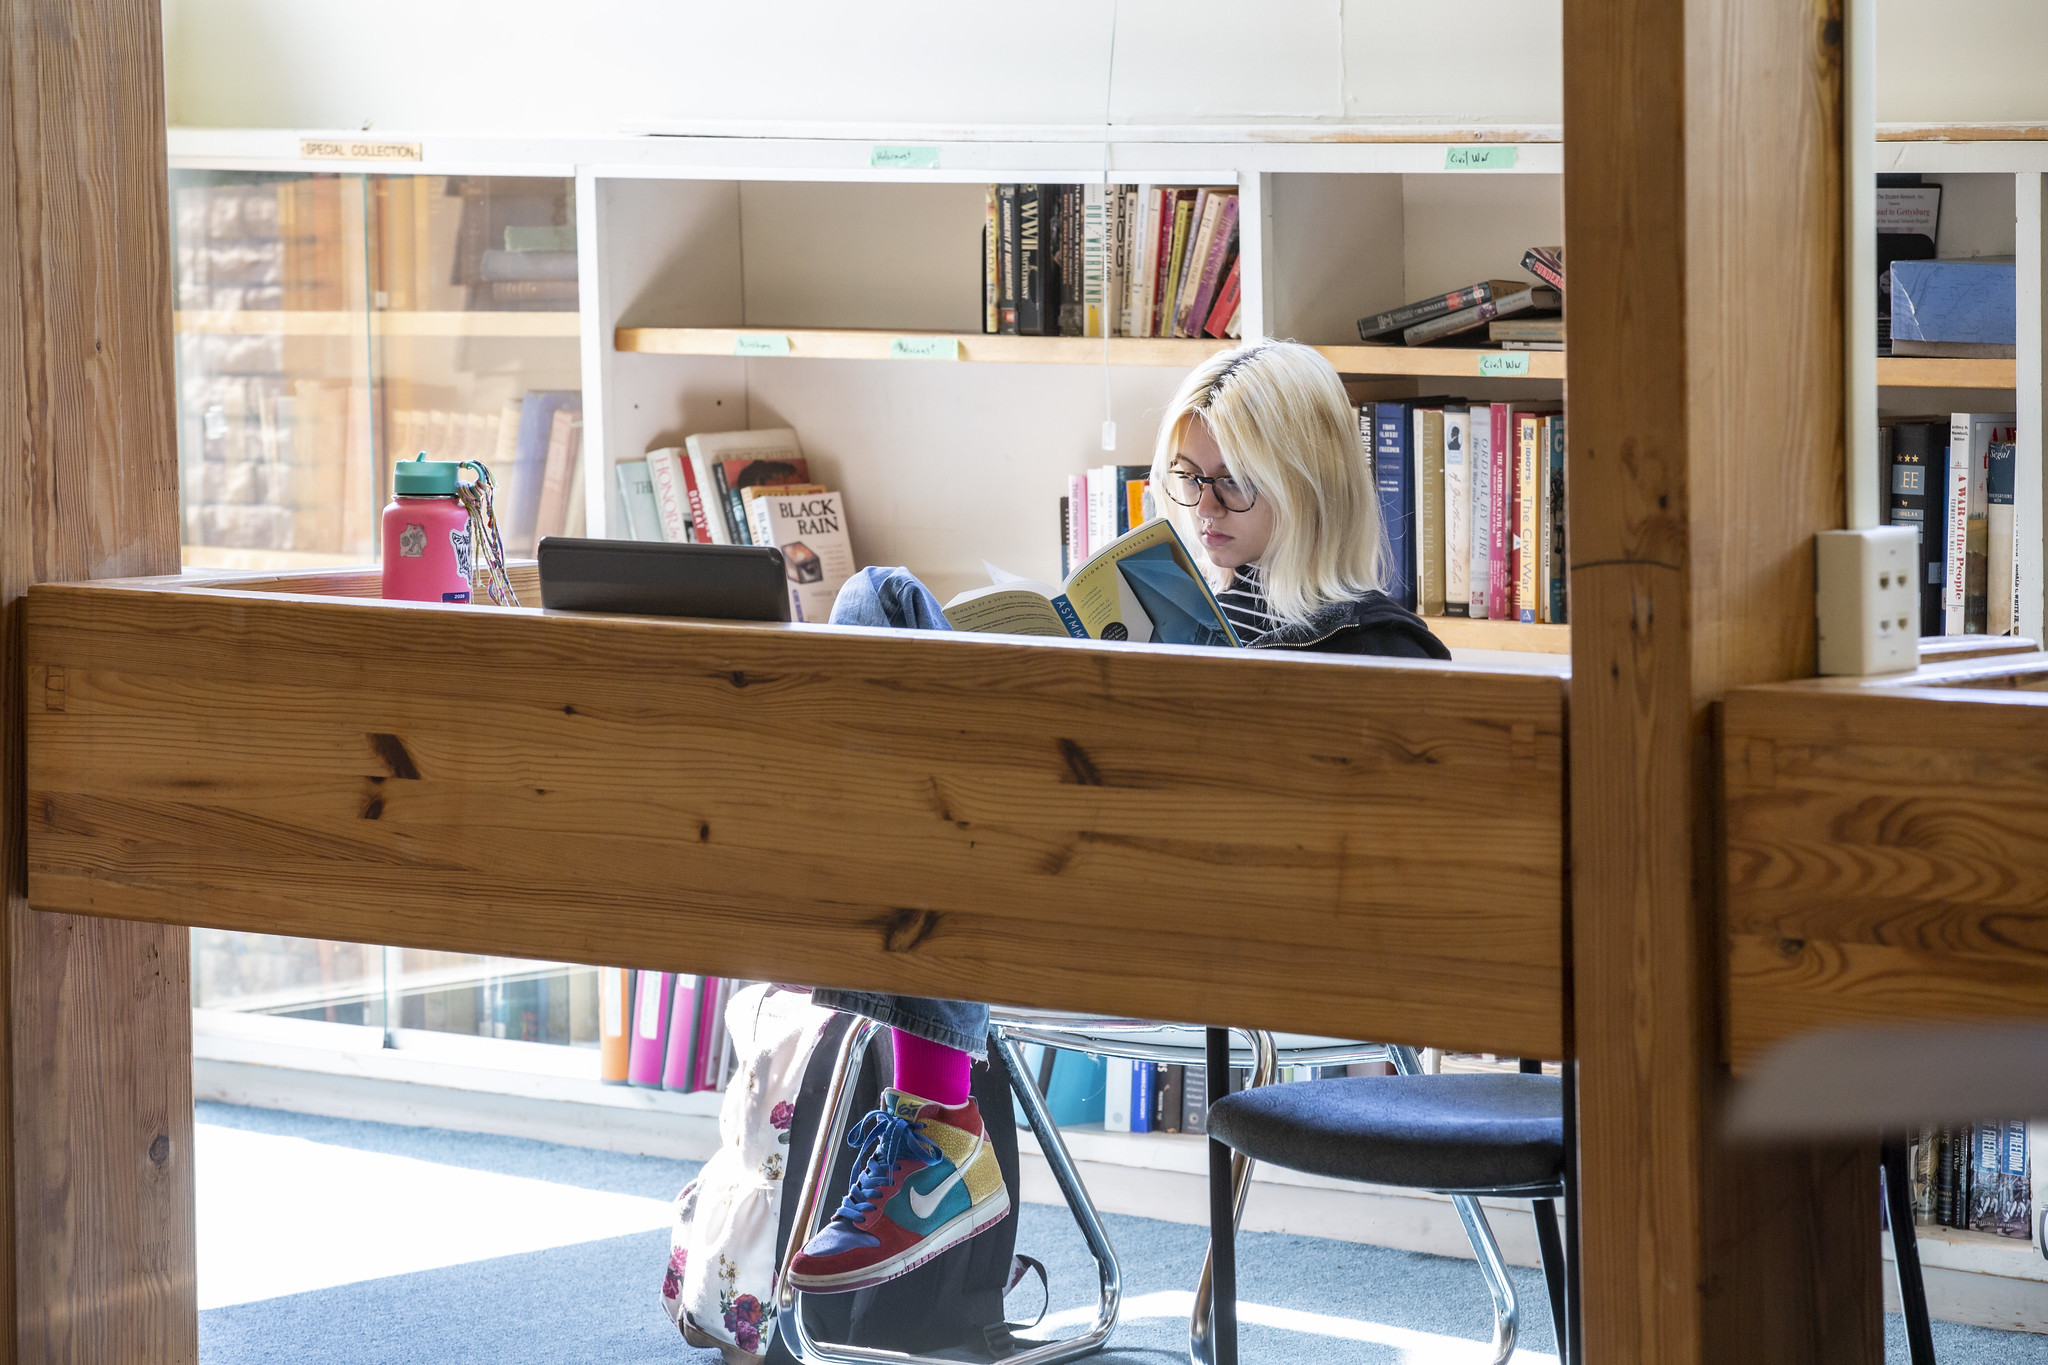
(1037, 276)
(1008, 258)
(1194, 1100)
(1917, 469)
(1166, 1110)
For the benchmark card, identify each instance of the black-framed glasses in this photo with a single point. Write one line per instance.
(1185, 487)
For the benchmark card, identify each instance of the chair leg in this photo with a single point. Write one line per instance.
(1550, 1246)
(1506, 1309)
(1898, 1200)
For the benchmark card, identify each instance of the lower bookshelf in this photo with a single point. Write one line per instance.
(1460, 632)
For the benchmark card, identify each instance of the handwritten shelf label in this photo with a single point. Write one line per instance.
(903, 158)
(760, 343)
(325, 149)
(924, 348)
(1496, 366)
(1496, 158)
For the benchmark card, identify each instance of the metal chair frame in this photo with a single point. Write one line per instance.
(1137, 1040)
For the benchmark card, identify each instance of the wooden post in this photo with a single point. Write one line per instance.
(1703, 191)
(98, 1018)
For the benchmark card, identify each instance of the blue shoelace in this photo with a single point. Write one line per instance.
(894, 1138)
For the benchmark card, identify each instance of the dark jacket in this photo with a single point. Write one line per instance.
(1372, 624)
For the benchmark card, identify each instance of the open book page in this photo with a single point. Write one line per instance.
(1014, 607)
(1146, 586)
(1142, 586)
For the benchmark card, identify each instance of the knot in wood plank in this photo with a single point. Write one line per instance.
(908, 928)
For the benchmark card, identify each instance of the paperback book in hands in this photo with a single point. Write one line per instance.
(1141, 586)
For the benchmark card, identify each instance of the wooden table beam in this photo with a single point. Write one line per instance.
(97, 1012)
(1702, 205)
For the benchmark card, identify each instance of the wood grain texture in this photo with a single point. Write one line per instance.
(1702, 183)
(1887, 859)
(1180, 833)
(1945, 372)
(100, 1264)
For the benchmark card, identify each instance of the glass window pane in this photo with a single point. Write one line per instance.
(295, 978)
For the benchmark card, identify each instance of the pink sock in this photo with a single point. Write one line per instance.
(932, 1071)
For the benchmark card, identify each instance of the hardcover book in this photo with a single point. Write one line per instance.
(2001, 571)
(1528, 517)
(1428, 445)
(1479, 476)
(1392, 476)
(1457, 500)
(1435, 306)
(725, 462)
(669, 494)
(1917, 470)
(1527, 299)
(636, 497)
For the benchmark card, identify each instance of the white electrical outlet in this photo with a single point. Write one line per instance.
(1866, 600)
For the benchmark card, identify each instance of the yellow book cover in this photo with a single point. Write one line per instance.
(1143, 586)
(1529, 426)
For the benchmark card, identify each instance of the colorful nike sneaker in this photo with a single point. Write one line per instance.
(927, 1180)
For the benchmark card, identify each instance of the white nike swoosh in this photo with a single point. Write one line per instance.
(922, 1204)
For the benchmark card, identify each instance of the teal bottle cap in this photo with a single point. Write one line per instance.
(425, 478)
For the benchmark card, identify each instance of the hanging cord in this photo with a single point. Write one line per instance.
(1111, 308)
(487, 571)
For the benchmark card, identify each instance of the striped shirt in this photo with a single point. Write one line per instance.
(1244, 603)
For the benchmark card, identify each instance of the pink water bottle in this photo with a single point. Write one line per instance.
(426, 534)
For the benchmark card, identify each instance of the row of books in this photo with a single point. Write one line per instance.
(1111, 260)
(1975, 1176)
(1102, 504)
(1472, 498)
(1166, 1097)
(745, 488)
(663, 1030)
(1517, 315)
(1952, 480)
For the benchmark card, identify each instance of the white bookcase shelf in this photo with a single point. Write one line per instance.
(821, 344)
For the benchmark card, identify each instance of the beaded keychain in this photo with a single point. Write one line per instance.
(477, 497)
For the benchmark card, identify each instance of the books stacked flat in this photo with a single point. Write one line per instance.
(1462, 313)
(1952, 480)
(1472, 498)
(1111, 260)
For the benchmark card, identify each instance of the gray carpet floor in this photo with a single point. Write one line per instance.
(596, 1302)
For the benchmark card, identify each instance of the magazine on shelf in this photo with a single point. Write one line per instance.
(1142, 586)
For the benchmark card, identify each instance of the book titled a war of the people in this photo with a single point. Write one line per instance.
(1143, 586)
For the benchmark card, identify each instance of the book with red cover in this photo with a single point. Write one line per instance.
(699, 532)
(1226, 302)
(1220, 244)
(1500, 516)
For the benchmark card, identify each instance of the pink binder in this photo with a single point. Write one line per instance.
(676, 1073)
(650, 1028)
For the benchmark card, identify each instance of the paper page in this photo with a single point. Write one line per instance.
(1011, 610)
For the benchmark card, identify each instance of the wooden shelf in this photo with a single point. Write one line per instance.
(1945, 372)
(834, 344)
(1455, 363)
(344, 323)
(1460, 632)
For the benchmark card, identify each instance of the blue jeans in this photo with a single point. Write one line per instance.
(893, 598)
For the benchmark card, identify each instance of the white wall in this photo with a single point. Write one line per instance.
(602, 65)
(605, 65)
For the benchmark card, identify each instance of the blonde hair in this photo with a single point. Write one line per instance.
(1280, 417)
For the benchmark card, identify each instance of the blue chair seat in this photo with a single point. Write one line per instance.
(1458, 1133)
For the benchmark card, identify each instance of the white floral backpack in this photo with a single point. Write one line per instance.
(720, 1287)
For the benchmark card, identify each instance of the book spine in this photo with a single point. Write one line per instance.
(705, 529)
(1956, 506)
(1175, 269)
(1557, 576)
(1069, 617)
(1066, 537)
(1166, 1110)
(665, 471)
(1037, 314)
(1194, 1100)
(1538, 264)
(1116, 1095)
(991, 261)
(1479, 474)
(1211, 277)
(1397, 508)
(1143, 1086)
(1138, 253)
(1450, 324)
(1077, 519)
(1067, 253)
(1976, 536)
(1457, 499)
(735, 506)
(1428, 444)
(650, 1024)
(1095, 213)
(682, 1015)
(1226, 302)
(614, 1023)
(1162, 260)
(1201, 238)
(2001, 565)
(1500, 511)
(1009, 256)
(1528, 516)
(1422, 310)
